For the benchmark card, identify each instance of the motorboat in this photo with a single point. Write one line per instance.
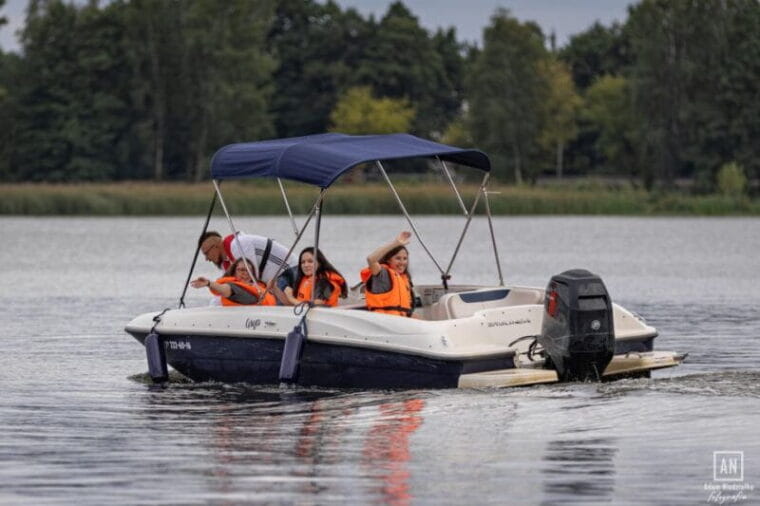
(465, 336)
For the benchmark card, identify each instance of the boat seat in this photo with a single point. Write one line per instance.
(464, 304)
(520, 296)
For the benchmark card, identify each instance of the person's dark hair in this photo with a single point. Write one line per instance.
(210, 233)
(391, 254)
(231, 269)
(323, 267)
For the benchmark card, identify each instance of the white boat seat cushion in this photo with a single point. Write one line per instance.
(464, 304)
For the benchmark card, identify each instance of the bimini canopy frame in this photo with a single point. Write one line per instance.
(320, 160)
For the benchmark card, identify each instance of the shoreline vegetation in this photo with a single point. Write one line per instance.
(588, 197)
(86, 98)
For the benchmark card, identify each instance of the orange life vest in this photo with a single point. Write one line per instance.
(396, 301)
(255, 290)
(335, 280)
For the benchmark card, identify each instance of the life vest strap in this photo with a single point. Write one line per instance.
(265, 257)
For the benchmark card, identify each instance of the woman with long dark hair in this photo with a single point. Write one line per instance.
(388, 283)
(330, 284)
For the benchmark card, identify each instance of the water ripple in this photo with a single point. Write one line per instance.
(716, 384)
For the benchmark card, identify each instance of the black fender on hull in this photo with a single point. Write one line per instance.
(156, 354)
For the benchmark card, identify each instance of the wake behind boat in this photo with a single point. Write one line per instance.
(464, 336)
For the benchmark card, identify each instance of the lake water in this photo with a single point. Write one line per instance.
(80, 425)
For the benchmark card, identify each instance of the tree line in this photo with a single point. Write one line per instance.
(149, 89)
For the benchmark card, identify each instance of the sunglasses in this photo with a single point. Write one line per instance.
(208, 250)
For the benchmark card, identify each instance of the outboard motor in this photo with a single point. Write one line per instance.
(577, 332)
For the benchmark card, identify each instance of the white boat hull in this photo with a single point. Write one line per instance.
(467, 338)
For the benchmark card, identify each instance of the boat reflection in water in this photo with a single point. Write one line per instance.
(386, 447)
(307, 448)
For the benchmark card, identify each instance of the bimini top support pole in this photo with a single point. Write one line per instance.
(287, 206)
(317, 224)
(311, 214)
(233, 230)
(290, 361)
(493, 236)
(406, 214)
(446, 172)
(197, 249)
(483, 186)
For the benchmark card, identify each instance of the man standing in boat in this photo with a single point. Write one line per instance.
(268, 255)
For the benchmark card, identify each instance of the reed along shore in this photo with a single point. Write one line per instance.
(246, 198)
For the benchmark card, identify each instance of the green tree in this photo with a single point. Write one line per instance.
(200, 79)
(318, 48)
(358, 112)
(736, 101)
(458, 133)
(560, 110)
(99, 111)
(70, 106)
(451, 97)
(609, 109)
(228, 76)
(688, 110)
(731, 180)
(506, 93)
(402, 61)
(136, 89)
(5, 110)
(154, 52)
(660, 35)
(596, 52)
(41, 150)
(9, 71)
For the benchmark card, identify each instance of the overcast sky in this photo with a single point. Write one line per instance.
(564, 17)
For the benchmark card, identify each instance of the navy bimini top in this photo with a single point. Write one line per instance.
(320, 159)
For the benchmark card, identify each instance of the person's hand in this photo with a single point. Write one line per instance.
(200, 282)
(404, 237)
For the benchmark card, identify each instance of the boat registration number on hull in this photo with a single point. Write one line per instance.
(178, 345)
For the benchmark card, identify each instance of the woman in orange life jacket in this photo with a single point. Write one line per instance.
(330, 283)
(387, 278)
(236, 287)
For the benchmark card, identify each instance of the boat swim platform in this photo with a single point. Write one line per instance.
(621, 365)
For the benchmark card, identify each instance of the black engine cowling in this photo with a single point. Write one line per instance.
(577, 332)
